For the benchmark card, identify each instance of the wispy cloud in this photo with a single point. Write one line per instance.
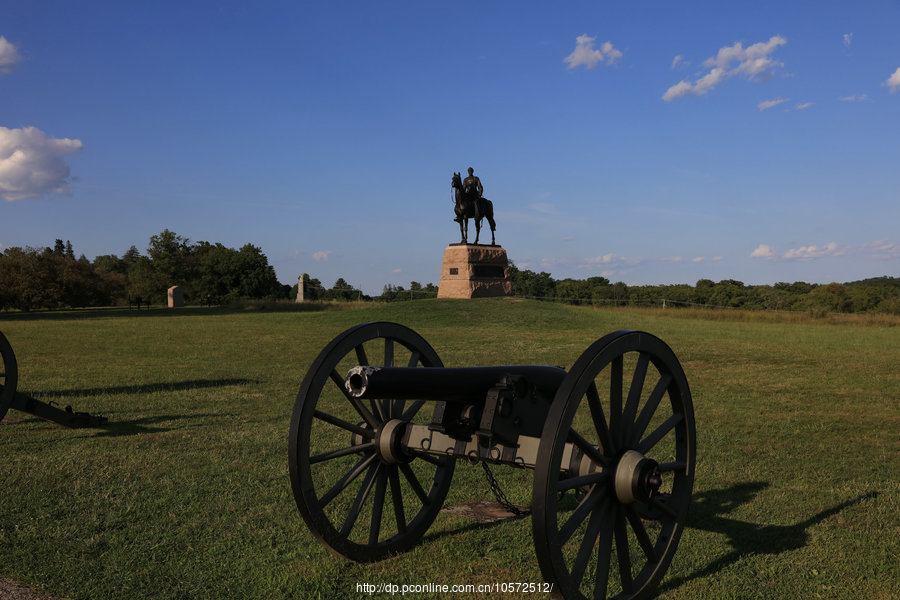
(810, 252)
(879, 249)
(893, 81)
(9, 56)
(765, 252)
(33, 164)
(848, 39)
(544, 207)
(767, 104)
(803, 106)
(855, 98)
(321, 255)
(606, 259)
(753, 63)
(679, 61)
(586, 55)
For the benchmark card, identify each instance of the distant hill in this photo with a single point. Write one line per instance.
(883, 280)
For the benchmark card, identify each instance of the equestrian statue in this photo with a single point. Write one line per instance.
(470, 204)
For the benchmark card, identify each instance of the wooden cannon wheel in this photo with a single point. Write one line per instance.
(9, 374)
(358, 492)
(643, 436)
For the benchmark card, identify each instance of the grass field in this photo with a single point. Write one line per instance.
(185, 494)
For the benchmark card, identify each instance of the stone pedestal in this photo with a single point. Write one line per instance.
(176, 296)
(471, 271)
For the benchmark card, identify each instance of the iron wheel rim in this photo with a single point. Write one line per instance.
(376, 478)
(8, 375)
(601, 521)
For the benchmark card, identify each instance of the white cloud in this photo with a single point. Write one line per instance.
(32, 164)
(585, 54)
(397, 271)
(882, 249)
(604, 260)
(848, 39)
(9, 56)
(718, 258)
(855, 98)
(893, 81)
(544, 207)
(753, 63)
(321, 255)
(682, 88)
(803, 105)
(879, 249)
(810, 252)
(697, 259)
(763, 251)
(767, 104)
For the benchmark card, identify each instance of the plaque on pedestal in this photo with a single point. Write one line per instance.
(473, 271)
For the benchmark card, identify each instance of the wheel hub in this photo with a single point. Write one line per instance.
(387, 442)
(637, 478)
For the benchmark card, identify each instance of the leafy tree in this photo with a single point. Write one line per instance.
(171, 256)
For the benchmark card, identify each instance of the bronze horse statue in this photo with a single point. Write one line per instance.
(470, 206)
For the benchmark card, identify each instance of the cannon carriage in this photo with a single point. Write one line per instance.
(379, 424)
(10, 397)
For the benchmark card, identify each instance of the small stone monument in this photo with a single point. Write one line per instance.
(301, 289)
(176, 296)
(473, 270)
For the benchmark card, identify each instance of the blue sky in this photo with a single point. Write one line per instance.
(645, 142)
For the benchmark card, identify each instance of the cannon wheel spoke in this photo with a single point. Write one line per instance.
(8, 375)
(647, 390)
(341, 484)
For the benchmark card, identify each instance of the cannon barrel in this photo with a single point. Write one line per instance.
(455, 385)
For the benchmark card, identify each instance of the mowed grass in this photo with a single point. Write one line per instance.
(185, 493)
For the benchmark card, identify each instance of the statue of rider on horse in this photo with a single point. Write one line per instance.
(470, 204)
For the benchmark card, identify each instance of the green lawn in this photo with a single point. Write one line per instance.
(185, 494)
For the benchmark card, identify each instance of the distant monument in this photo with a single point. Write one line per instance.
(176, 296)
(301, 289)
(473, 270)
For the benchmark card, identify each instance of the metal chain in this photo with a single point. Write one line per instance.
(499, 495)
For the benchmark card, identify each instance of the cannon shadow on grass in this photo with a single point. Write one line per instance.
(114, 427)
(145, 425)
(706, 513)
(147, 388)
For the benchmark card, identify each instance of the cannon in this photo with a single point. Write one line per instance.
(611, 441)
(11, 398)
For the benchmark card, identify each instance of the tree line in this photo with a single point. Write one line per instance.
(47, 278)
(879, 294)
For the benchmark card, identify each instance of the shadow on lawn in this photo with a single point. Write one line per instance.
(145, 425)
(148, 388)
(747, 538)
(112, 427)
